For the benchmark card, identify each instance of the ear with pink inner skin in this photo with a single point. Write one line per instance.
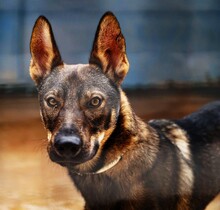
(109, 49)
(45, 55)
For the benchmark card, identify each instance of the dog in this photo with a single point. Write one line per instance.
(115, 160)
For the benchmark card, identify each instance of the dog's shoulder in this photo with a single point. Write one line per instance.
(169, 128)
(174, 133)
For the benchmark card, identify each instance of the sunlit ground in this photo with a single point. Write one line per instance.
(29, 180)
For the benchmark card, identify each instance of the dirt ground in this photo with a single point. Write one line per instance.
(30, 181)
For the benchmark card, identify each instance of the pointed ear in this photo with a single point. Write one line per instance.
(109, 50)
(45, 55)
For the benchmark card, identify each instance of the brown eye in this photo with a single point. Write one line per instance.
(52, 102)
(95, 102)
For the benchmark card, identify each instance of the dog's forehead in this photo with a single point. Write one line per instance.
(76, 70)
(82, 73)
(79, 77)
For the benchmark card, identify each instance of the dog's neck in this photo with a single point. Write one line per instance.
(129, 121)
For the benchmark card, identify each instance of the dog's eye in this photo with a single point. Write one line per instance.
(52, 102)
(95, 102)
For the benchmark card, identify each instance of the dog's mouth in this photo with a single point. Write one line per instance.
(71, 157)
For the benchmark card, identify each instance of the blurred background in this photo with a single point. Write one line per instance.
(167, 40)
(174, 53)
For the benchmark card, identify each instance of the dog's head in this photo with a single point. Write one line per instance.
(79, 103)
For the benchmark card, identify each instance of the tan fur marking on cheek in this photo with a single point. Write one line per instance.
(49, 136)
(99, 137)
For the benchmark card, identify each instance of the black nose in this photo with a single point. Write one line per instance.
(67, 146)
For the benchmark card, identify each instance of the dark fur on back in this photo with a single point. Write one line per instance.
(115, 160)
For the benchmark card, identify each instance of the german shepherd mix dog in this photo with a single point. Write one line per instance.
(114, 158)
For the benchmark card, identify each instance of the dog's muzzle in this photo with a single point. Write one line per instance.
(68, 148)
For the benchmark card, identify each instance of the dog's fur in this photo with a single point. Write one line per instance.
(114, 158)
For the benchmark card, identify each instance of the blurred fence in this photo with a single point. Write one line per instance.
(167, 40)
